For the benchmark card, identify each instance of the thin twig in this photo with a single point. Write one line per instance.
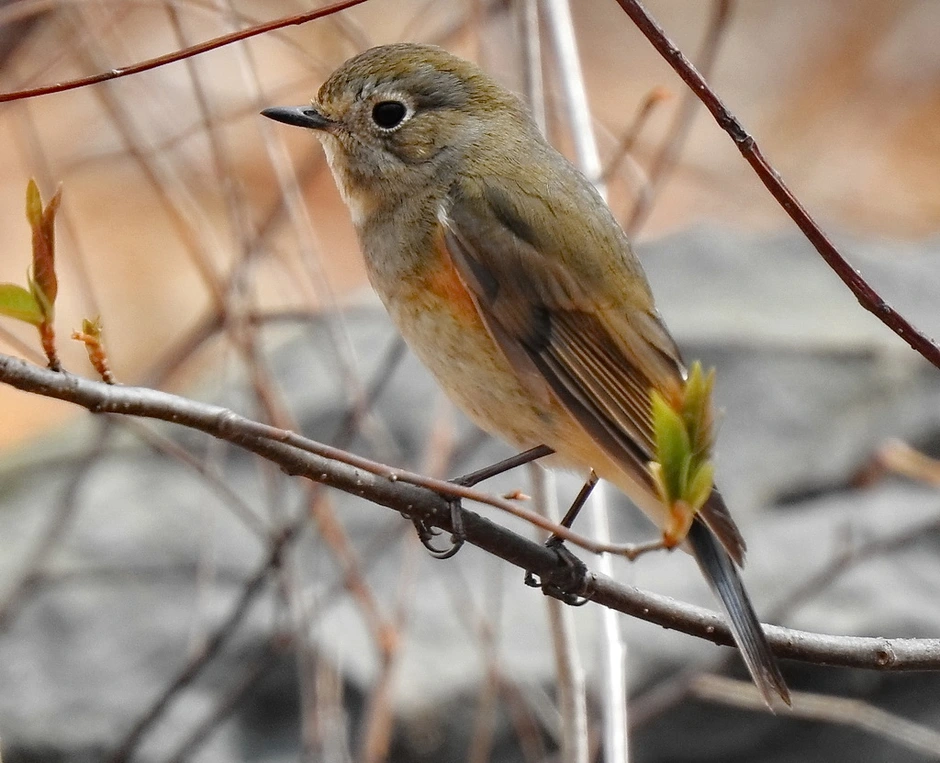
(612, 646)
(229, 704)
(679, 130)
(56, 528)
(644, 111)
(826, 709)
(572, 698)
(866, 295)
(179, 55)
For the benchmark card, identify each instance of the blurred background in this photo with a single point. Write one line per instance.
(217, 252)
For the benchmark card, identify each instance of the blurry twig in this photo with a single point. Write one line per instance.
(653, 98)
(56, 528)
(481, 622)
(352, 572)
(212, 646)
(867, 296)
(523, 718)
(252, 587)
(827, 709)
(226, 706)
(611, 644)
(178, 204)
(678, 133)
(531, 47)
(901, 458)
(214, 481)
(25, 349)
(572, 696)
(179, 55)
(325, 735)
(379, 724)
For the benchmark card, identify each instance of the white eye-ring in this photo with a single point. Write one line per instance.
(389, 115)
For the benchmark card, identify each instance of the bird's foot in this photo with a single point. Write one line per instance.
(426, 533)
(566, 581)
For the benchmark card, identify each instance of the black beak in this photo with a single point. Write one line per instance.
(299, 116)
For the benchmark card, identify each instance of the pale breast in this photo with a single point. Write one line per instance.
(439, 320)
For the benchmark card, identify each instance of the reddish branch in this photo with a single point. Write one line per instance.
(179, 55)
(866, 295)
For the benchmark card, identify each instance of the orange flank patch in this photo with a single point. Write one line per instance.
(442, 281)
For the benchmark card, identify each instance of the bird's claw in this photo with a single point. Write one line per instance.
(566, 581)
(426, 533)
(457, 537)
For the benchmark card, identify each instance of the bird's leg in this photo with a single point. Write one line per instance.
(578, 504)
(520, 459)
(426, 533)
(680, 520)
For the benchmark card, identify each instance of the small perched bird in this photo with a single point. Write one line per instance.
(511, 280)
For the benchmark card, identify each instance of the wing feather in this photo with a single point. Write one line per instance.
(573, 334)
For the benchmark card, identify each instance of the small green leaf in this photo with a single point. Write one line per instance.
(92, 326)
(43, 281)
(16, 302)
(682, 433)
(33, 204)
(700, 486)
(697, 408)
(673, 449)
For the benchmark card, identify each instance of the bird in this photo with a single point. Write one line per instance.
(511, 280)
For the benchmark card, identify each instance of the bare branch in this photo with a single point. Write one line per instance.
(427, 503)
(866, 295)
(180, 55)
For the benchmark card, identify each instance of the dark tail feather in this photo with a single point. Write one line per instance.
(725, 581)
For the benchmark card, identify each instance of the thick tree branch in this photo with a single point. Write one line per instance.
(866, 295)
(420, 501)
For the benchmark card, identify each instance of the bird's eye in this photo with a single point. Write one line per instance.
(389, 114)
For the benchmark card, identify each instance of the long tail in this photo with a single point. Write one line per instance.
(723, 577)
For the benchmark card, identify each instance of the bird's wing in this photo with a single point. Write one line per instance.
(573, 335)
(594, 338)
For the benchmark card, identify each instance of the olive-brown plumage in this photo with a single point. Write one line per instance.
(511, 280)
